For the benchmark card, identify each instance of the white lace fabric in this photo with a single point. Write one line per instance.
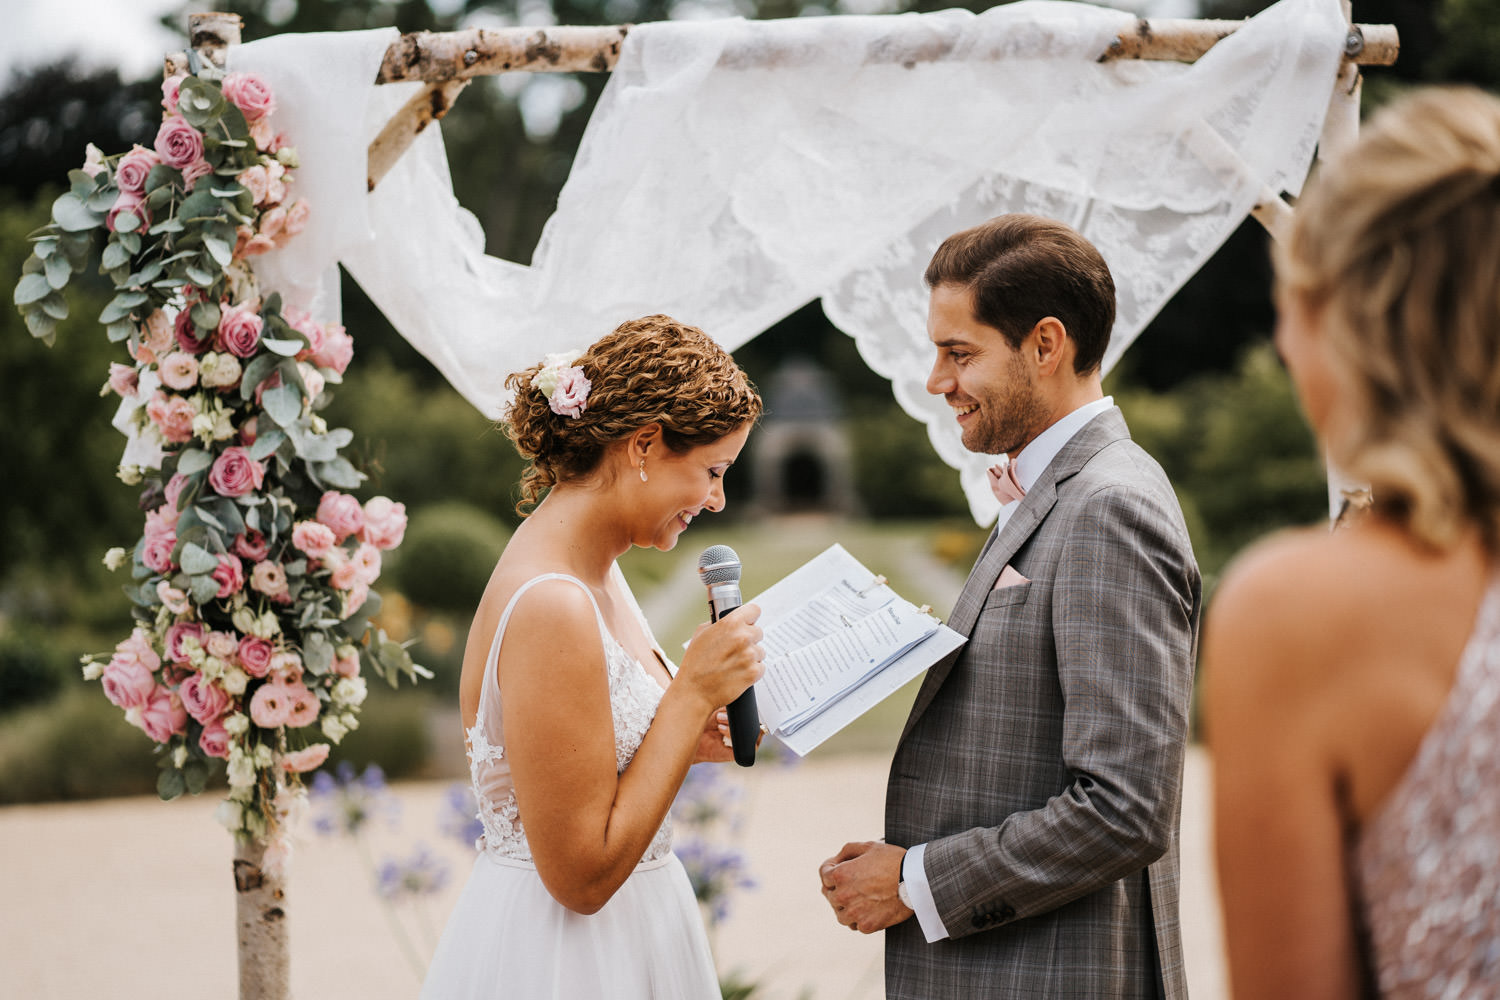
(735, 170)
(633, 698)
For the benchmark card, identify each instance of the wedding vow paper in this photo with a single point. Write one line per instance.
(838, 642)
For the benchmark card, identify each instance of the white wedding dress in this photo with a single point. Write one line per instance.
(508, 938)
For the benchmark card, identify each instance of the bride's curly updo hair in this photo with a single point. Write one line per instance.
(649, 370)
(1397, 248)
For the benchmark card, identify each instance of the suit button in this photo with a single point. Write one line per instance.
(1008, 913)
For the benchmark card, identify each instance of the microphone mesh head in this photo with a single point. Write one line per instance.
(718, 564)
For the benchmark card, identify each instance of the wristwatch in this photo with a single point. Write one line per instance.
(901, 892)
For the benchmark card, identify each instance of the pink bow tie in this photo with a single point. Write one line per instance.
(1004, 485)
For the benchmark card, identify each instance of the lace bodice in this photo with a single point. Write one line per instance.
(633, 697)
(1428, 864)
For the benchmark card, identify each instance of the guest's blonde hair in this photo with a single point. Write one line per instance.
(649, 370)
(1396, 249)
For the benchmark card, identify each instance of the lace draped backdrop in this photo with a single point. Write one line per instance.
(735, 170)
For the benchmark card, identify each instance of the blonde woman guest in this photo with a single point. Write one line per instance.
(1354, 677)
(579, 729)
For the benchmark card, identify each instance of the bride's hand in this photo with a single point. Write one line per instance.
(713, 743)
(724, 658)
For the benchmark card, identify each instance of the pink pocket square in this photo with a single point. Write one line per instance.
(1010, 578)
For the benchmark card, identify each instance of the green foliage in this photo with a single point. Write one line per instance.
(32, 669)
(447, 556)
(896, 472)
(394, 732)
(77, 746)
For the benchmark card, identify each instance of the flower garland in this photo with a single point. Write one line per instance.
(251, 581)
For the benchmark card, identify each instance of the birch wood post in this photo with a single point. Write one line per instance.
(427, 106)
(260, 926)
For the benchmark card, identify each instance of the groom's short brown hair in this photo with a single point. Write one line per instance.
(1024, 268)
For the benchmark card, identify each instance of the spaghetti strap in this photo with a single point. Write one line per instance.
(492, 661)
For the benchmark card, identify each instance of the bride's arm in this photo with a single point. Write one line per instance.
(588, 826)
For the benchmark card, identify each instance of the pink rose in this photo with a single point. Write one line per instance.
(222, 645)
(188, 336)
(337, 349)
(173, 416)
(178, 370)
(296, 217)
(269, 578)
(204, 700)
(138, 647)
(162, 521)
(302, 706)
(347, 666)
(135, 166)
(235, 473)
(250, 94)
(270, 705)
(257, 181)
(132, 204)
(124, 379)
(385, 523)
(249, 243)
(214, 740)
(315, 539)
(173, 490)
(355, 598)
(231, 576)
(195, 171)
(127, 682)
(169, 92)
(262, 135)
(156, 553)
(163, 716)
(177, 634)
(366, 562)
(309, 757)
(172, 599)
(340, 512)
(239, 330)
(178, 142)
(571, 397)
(252, 545)
(255, 655)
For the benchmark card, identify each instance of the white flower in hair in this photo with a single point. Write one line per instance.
(563, 383)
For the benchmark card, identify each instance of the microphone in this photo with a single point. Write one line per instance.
(719, 569)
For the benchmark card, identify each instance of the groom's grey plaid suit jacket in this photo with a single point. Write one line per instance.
(1042, 764)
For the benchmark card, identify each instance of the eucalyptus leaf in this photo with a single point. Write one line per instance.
(100, 201)
(147, 274)
(58, 271)
(119, 330)
(339, 473)
(232, 192)
(256, 372)
(266, 444)
(340, 436)
(44, 248)
(283, 404)
(42, 326)
(128, 222)
(285, 348)
(170, 784)
(161, 176)
(313, 447)
(55, 305)
(32, 288)
(252, 516)
(221, 252)
(203, 589)
(272, 304)
(114, 255)
(200, 206)
(205, 315)
(211, 521)
(130, 241)
(81, 181)
(317, 653)
(195, 559)
(200, 102)
(171, 224)
(73, 215)
(195, 774)
(199, 276)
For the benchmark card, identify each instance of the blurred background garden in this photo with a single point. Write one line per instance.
(1202, 390)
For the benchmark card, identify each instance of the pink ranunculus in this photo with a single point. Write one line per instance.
(235, 473)
(127, 682)
(162, 523)
(296, 217)
(275, 183)
(189, 338)
(272, 223)
(355, 598)
(571, 397)
(138, 646)
(256, 180)
(249, 93)
(270, 705)
(93, 161)
(340, 512)
(269, 578)
(214, 740)
(385, 523)
(366, 561)
(156, 553)
(231, 576)
(178, 370)
(255, 655)
(173, 490)
(262, 135)
(252, 545)
(172, 415)
(128, 203)
(163, 716)
(302, 706)
(135, 166)
(239, 330)
(124, 379)
(313, 538)
(169, 92)
(337, 350)
(347, 666)
(309, 757)
(223, 645)
(203, 699)
(304, 324)
(286, 667)
(177, 633)
(345, 574)
(196, 171)
(178, 142)
(156, 337)
(172, 599)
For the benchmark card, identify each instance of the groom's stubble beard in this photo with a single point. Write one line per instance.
(1010, 414)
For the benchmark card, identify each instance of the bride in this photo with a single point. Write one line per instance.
(579, 728)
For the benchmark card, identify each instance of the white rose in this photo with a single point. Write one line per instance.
(350, 691)
(217, 370)
(92, 670)
(203, 427)
(350, 720)
(237, 724)
(224, 428)
(114, 558)
(212, 668)
(334, 729)
(233, 682)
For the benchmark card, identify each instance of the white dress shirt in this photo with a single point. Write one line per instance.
(1031, 462)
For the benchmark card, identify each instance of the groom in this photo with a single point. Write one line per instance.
(1032, 809)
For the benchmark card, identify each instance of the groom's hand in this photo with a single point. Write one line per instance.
(860, 884)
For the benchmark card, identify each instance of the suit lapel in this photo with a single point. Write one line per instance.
(1107, 427)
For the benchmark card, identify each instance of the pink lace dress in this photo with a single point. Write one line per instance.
(1427, 867)
(508, 938)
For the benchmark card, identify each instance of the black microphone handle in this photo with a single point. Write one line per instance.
(744, 717)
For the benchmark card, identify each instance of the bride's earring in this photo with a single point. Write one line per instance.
(643, 471)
